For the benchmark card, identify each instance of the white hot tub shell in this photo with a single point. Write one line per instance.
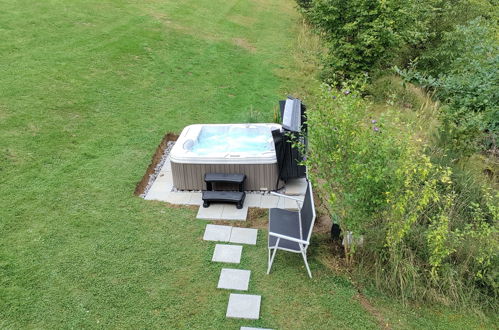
(225, 148)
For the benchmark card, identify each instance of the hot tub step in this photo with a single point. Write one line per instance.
(224, 197)
(235, 178)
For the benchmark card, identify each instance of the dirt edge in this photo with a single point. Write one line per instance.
(156, 158)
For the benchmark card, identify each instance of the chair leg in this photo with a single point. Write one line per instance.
(271, 259)
(304, 254)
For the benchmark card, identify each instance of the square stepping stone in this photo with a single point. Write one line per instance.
(234, 279)
(244, 306)
(243, 235)
(231, 212)
(227, 253)
(217, 233)
(214, 212)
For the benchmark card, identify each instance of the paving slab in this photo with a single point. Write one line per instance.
(196, 199)
(253, 200)
(290, 204)
(243, 235)
(269, 201)
(214, 212)
(164, 177)
(231, 212)
(296, 186)
(281, 203)
(244, 306)
(234, 279)
(156, 195)
(178, 197)
(227, 253)
(158, 191)
(217, 233)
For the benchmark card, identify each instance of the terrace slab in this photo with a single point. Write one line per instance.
(296, 186)
(176, 197)
(234, 279)
(269, 201)
(243, 235)
(196, 199)
(253, 200)
(214, 212)
(227, 253)
(164, 177)
(159, 191)
(231, 212)
(217, 233)
(244, 306)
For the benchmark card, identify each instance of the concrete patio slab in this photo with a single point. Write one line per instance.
(159, 191)
(234, 279)
(164, 177)
(196, 199)
(231, 212)
(244, 306)
(214, 212)
(269, 201)
(243, 235)
(176, 197)
(253, 200)
(217, 233)
(227, 253)
(296, 186)
(156, 196)
(290, 204)
(281, 203)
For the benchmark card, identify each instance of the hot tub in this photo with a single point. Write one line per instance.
(225, 148)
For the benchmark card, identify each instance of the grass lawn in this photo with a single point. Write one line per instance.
(87, 90)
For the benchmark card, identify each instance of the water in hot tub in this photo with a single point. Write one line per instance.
(226, 138)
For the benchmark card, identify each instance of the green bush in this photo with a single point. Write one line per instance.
(380, 184)
(468, 83)
(365, 36)
(360, 34)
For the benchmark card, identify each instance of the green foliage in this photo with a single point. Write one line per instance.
(382, 185)
(360, 35)
(356, 152)
(468, 82)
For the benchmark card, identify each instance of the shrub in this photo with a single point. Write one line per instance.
(380, 184)
(468, 82)
(360, 35)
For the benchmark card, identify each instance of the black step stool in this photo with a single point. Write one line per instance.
(210, 195)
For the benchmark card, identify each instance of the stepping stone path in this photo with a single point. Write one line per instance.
(227, 253)
(242, 306)
(235, 279)
(217, 233)
(243, 236)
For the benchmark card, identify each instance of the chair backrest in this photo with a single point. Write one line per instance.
(308, 213)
